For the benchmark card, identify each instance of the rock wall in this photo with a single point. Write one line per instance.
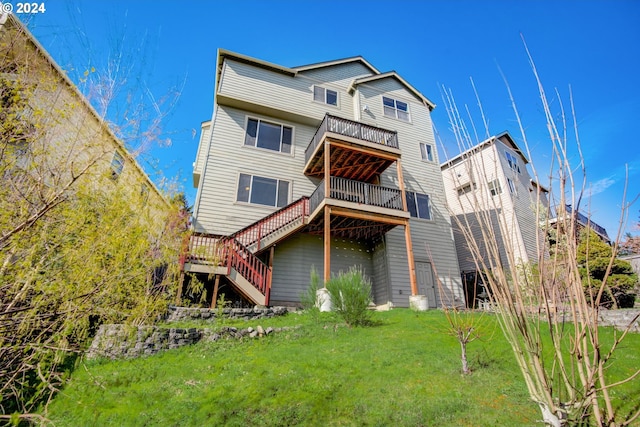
(124, 341)
(620, 318)
(188, 313)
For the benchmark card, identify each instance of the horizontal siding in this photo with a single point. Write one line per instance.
(201, 156)
(380, 279)
(400, 285)
(217, 209)
(512, 216)
(433, 236)
(294, 258)
(291, 94)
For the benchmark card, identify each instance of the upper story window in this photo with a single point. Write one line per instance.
(396, 109)
(513, 162)
(117, 165)
(271, 136)
(263, 191)
(464, 189)
(419, 205)
(512, 186)
(426, 150)
(494, 187)
(326, 96)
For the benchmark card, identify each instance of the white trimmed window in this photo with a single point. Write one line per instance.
(326, 96)
(418, 204)
(494, 187)
(464, 189)
(117, 165)
(426, 150)
(512, 186)
(259, 190)
(513, 161)
(267, 135)
(396, 109)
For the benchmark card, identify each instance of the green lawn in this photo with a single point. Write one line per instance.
(402, 372)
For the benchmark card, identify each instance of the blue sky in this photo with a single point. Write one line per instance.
(591, 45)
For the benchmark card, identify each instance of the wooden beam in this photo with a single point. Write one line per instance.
(367, 216)
(373, 152)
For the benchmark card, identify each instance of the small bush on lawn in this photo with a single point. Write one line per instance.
(350, 295)
(309, 298)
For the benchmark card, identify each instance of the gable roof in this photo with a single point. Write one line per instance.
(476, 148)
(396, 76)
(317, 65)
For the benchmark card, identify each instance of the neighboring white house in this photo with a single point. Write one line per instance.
(492, 179)
(327, 165)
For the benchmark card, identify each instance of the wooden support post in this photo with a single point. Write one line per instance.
(327, 243)
(327, 212)
(407, 234)
(179, 293)
(401, 185)
(214, 296)
(410, 260)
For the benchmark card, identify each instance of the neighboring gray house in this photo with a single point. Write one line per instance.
(492, 178)
(327, 165)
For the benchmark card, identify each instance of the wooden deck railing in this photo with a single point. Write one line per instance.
(255, 233)
(206, 249)
(227, 252)
(357, 192)
(353, 129)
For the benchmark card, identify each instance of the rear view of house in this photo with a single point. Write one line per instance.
(329, 165)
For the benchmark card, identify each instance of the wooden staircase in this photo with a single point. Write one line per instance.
(235, 256)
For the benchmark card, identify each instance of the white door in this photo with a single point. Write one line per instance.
(426, 284)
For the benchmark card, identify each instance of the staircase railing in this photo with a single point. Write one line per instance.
(249, 266)
(227, 252)
(255, 233)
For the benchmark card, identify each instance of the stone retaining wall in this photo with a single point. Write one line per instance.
(188, 313)
(123, 341)
(620, 318)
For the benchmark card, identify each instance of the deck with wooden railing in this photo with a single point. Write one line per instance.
(351, 129)
(226, 251)
(359, 192)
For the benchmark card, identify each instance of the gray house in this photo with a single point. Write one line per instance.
(327, 165)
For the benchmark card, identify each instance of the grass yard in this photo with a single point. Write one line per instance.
(402, 372)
